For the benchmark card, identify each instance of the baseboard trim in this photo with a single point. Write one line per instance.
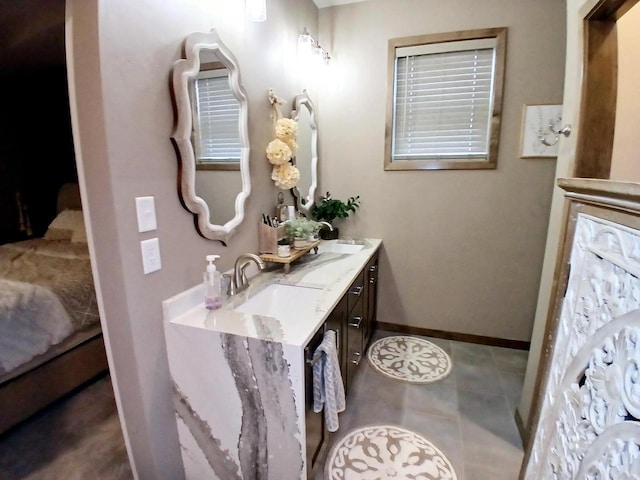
(521, 428)
(459, 337)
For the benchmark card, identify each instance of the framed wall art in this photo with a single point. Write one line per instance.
(540, 131)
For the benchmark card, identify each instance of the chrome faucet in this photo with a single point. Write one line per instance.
(328, 225)
(239, 282)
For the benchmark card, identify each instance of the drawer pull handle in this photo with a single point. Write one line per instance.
(357, 291)
(356, 323)
(372, 280)
(373, 268)
(357, 359)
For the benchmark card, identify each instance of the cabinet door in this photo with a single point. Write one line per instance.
(337, 321)
(314, 422)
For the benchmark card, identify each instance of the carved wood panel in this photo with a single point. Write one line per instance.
(589, 422)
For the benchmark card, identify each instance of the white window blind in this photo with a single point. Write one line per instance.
(443, 98)
(216, 124)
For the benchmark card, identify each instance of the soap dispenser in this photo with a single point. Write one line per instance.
(212, 285)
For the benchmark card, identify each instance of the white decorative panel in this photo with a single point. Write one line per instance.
(589, 425)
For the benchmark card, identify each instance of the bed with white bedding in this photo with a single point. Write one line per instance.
(46, 294)
(50, 337)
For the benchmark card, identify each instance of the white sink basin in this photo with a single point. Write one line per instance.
(333, 246)
(282, 301)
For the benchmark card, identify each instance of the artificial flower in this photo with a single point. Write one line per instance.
(285, 176)
(286, 129)
(278, 152)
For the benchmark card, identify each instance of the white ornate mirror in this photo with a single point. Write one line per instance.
(307, 156)
(210, 135)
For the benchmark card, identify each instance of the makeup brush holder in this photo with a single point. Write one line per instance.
(268, 238)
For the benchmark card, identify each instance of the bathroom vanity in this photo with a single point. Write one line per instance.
(242, 374)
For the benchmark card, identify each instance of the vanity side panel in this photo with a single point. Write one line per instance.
(201, 382)
(236, 408)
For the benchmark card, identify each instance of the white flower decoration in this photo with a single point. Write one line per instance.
(278, 152)
(293, 146)
(285, 176)
(286, 128)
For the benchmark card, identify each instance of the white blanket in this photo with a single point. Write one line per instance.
(31, 320)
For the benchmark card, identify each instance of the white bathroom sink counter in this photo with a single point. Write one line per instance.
(238, 379)
(330, 271)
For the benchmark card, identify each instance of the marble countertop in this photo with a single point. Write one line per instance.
(328, 271)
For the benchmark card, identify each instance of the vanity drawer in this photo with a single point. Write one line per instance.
(370, 299)
(354, 351)
(355, 338)
(356, 292)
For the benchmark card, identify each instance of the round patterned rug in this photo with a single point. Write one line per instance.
(411, 359)
(386, 452)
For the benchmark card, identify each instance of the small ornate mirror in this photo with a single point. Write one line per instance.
(307, 156)
(210, 135)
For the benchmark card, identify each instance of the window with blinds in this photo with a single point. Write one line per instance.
(216, 136)
(445, 100)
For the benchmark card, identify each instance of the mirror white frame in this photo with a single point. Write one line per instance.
(185, 71)
(302, 100)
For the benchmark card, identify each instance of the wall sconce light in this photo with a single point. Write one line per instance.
(256, 10)
(309, 47)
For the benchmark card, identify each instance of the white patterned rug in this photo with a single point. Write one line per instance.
(386, 452)
(411, 359)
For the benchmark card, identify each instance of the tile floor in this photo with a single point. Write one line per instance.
(469, 415)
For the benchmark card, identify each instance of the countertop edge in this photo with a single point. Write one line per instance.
(186, 306)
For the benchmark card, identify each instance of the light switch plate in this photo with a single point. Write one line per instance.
(146, 211)
(150, 255)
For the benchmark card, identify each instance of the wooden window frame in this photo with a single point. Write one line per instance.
(500, 35)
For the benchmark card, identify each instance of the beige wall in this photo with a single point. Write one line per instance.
(625, 159)
(462, 249)
(575, 12)
(121, 56)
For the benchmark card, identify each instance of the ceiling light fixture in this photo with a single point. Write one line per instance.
(256, 10)
(307, 45)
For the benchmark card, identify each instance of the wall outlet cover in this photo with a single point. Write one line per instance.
(150, 255)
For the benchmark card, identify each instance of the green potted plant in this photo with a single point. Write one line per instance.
(329, 209)
(300, 229)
